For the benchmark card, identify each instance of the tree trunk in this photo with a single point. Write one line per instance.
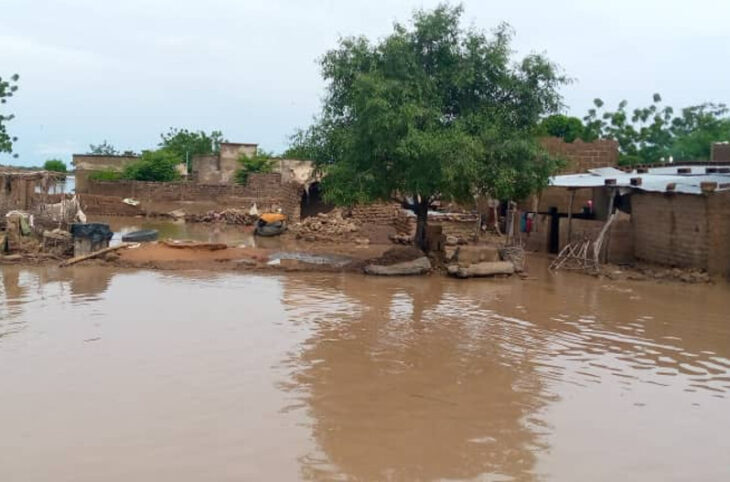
(421, 209)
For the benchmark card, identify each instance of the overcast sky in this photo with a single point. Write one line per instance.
(127, 70)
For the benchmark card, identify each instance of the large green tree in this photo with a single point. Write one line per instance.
(185, 144)
(433, 110)
(7, 89)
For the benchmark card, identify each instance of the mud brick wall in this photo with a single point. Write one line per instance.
(106, 206)
(559, 197)
(618, 244)
(581, 156)
(674, 229)
(377, 213)
(291, 201)
(264, 186)
(404, 223)
(460, 229)
(720, 151)
(718, 220)
(265, 190)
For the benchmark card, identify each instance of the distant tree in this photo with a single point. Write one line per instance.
(7, 90)
(159, 165)
(567, 128)
(431, 111)
(261, 162)
(103, 149)
(185, 144)
(55, 165)
(650, 134)
(697, 128)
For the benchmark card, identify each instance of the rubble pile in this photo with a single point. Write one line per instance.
(401, 238)
(228, 216)
(327, 227)
(58, 242)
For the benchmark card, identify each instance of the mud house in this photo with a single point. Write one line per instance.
(21, 190)
(209, 187)
(221, 167)
(670, 215)
(85, 164)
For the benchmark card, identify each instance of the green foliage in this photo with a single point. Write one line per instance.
(261, 162)
(697, 128)
(185, 144)
(431, 111)
(7, 90)
(106, 175)
(567, 128)
(650, 134)
(159, 165)
(103, 149)
(55, 165)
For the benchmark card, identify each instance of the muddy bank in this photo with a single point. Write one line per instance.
(236, 258)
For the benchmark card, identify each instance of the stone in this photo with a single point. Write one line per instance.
(452, 269)
(245, 262)
(449, 253)
(486, 268)
(452, 240)
(468, 255)
(362, 241)
(417, 266)
(177, 214)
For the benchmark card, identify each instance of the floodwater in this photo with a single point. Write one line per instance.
(188, 376)
(207, 232)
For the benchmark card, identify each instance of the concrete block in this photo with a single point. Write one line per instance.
(486, 269)
(468, 255)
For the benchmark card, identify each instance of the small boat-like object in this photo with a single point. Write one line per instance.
(141, 236)
(270, 224)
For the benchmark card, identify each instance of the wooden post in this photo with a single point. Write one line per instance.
(570, 215)
(599, 242)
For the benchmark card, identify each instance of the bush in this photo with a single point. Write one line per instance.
(258, 163)
(106, 175)
(55, 165)
(157, 166)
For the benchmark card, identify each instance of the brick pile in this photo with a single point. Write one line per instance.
(325, 227)
(227, 216)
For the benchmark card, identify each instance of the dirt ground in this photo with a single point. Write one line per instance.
(160, 256)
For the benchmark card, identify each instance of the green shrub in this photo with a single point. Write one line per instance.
(258, 163)
(157, 166)
(55, 165)
(106, 175)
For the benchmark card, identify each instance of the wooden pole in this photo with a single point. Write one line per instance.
(78, 259)
(570, 214)
(599, 242)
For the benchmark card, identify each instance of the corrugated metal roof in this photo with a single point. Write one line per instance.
(655, 180)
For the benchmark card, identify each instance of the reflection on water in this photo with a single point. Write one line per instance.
(207, 232)
(190, 376)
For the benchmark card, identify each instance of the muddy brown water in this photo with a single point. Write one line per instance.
(188, 376)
